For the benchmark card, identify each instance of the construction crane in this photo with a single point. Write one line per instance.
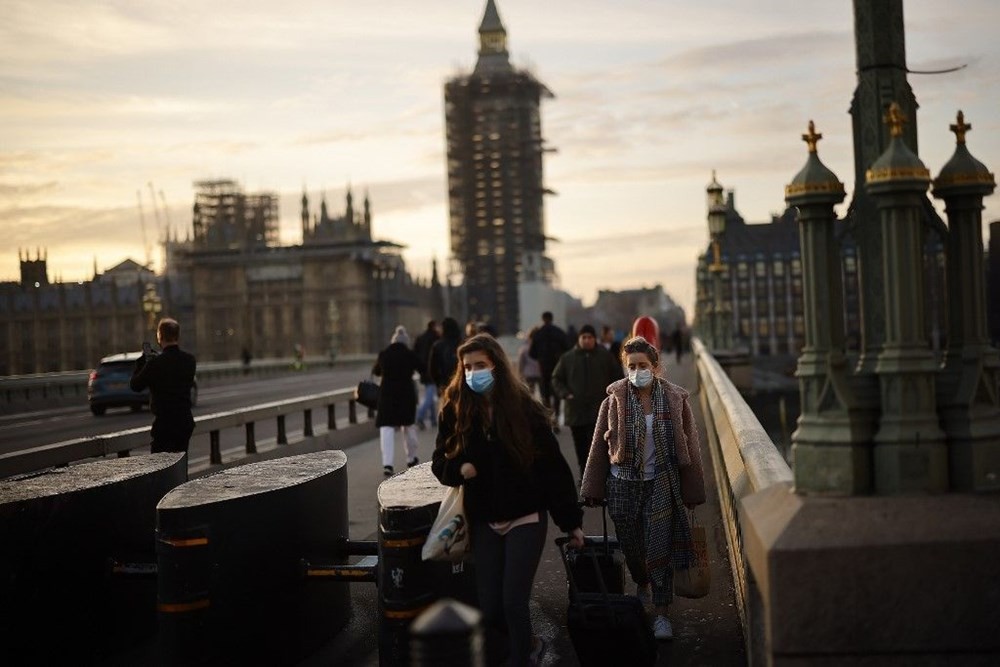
(166, 213)
(156, 211)
(142, 226)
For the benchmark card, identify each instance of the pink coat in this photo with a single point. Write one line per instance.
(609, 441)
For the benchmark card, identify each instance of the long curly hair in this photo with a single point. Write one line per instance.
(513, 406)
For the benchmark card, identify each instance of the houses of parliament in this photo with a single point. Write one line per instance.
(230, 285)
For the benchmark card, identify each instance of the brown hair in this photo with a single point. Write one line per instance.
(638, 344)
(169, 330)
(513, 406)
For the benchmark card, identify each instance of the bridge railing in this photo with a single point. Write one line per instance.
(17, 388)
(122, 442)
(746, 461)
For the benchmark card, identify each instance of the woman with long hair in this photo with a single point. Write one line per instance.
(646, 460)
(496, 439)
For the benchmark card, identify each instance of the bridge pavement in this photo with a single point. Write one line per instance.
(707, 631)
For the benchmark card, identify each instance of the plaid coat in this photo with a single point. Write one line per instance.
(610, 444)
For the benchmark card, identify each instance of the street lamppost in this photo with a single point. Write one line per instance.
(151, 306)
(720, 328)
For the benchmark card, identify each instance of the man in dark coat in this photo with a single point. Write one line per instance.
(547, 346)
(169, 376)
(397, 399)
(422, 348)
(444, 353)
(581, 378)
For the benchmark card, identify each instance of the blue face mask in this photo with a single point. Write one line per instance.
(480, 381)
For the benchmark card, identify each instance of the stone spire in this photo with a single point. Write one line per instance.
(831, 443)
(305, 213)
(910, 454)
(493, 55)
(967, 398)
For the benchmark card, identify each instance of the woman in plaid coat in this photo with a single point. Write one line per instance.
(646, 460)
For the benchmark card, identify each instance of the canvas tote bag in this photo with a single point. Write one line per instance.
(448, 539)
(694, 581)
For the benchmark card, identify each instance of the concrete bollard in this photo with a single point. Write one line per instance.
(62, 598)
(408, 505)
(447, 633)
(230, 548)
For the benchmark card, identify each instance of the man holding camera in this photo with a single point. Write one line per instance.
(170, 378)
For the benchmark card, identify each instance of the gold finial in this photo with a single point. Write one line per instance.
(960, 128)
(895, 119)
(811, 137)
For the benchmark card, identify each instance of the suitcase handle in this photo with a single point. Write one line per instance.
(561, 543)
(604, 520)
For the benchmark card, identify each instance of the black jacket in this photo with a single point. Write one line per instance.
(397, 398)
(502, 489)
(170, 377)
(422, 348)
(443, 361)
(586, 375)
(547, 345)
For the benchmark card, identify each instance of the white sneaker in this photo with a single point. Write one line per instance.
(662, 628)
(644, 594)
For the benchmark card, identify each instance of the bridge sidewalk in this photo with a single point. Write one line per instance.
(707, 631)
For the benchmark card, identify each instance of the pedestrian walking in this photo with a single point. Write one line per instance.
(169, 376)
(677, 340)
(397, 399)
(547, 346)
(581, 379)
(609, 343)
(646, 460)
(444, 353)
(495, 440)
(527, 367)
(427, 411)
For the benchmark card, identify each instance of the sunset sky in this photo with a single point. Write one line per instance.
(99, 99)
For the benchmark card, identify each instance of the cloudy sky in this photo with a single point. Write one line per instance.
(100, 99)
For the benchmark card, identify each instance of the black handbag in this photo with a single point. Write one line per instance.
(366, 393)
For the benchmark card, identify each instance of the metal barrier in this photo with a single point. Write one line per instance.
(122, 442)
(15, 388)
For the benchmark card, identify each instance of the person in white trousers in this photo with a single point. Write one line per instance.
(397, 399)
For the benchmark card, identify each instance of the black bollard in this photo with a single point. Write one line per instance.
(407, 585)
(72, 543)
(447, 633)
(230, 549)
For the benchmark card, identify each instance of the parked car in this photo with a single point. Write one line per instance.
(108, 387)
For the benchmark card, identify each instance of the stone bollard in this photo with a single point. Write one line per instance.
(447, 633)
(407, 585)
(230, 548)
(71, 541)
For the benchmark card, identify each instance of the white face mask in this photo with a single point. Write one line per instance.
(640, 377)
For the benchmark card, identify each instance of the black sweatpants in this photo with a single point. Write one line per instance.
(582, 437)
(505, 573)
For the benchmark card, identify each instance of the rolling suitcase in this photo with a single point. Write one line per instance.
(610, 560)
(605, 628)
